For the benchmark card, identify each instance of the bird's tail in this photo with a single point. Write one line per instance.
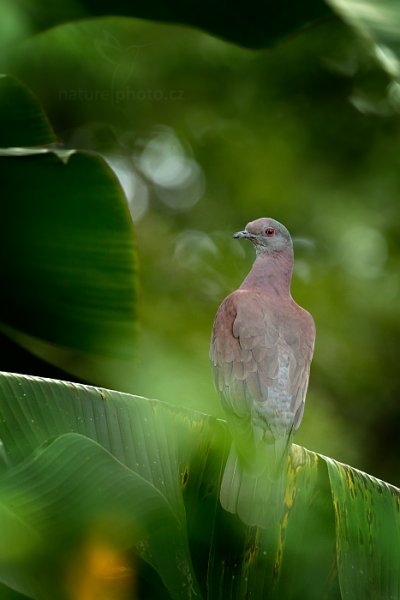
(256, 496)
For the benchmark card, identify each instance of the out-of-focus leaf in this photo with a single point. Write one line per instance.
(6, 593)
(181, 454)
(69, 264)
(254, 24)
(368, 533)
(14, 24)
(74, 488)
(179, 451)
(22, 120)
(282, 560)
(138, 432)
(144, 436)
(378, 22)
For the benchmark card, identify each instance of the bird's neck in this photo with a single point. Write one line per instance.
(271, 273)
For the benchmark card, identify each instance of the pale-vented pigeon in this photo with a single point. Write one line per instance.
(261, 349)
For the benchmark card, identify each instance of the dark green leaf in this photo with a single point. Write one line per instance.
(72, 490)
(69, 277)
(22, 120)
(368, 532)
(254, 24)
(7, 593)
(137, 432)
(293, 557)
(181, 454)
(378, 23)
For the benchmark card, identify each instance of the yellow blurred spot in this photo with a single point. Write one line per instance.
(100, 572)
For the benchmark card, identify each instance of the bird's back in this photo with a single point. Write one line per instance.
(261, 350)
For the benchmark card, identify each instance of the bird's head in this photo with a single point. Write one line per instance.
(268, 236)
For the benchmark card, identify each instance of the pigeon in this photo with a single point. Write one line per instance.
(262, 345)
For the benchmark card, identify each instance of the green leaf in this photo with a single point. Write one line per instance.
(137, 432)
(367, 514)
(6, 593)
(281, 561)
(22, 119)
(69, 281)
(181, 455)
(378, 22)
(253, 24)
(72, 489)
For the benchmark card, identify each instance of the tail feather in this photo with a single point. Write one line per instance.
(256, 497)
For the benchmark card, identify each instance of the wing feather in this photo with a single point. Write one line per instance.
(261, 357)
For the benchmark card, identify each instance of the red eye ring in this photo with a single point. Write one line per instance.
(269, 231)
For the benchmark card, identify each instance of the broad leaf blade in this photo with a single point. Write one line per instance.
(253, 24)
(367, 514)
(69, 281)
(179, 451)
(378, 22)
(22, 119)
(72, 489)
(149, 437)
(6, 593)
(282, 560)
(142, 434)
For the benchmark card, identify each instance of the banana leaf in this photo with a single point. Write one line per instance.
(144, 477)
(253, 24)
(69, 258)
(22, 119)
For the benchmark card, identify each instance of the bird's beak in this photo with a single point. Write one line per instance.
(241, 234)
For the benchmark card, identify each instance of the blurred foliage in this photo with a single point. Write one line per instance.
(254, 24)
(378, 23)
(96, 484)
(22, 120)
(69, 279)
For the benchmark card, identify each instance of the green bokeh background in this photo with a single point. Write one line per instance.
(206, 136)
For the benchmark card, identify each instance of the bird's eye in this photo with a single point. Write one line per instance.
(269, 231)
